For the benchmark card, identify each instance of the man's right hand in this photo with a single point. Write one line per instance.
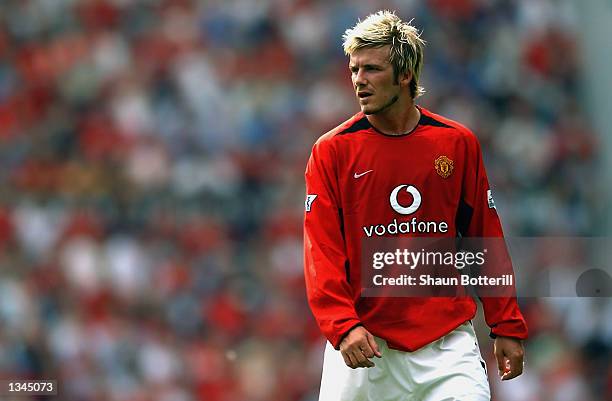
(357, 347)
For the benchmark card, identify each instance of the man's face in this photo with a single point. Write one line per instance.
(373, 79)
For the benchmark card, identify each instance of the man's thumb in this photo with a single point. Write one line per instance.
(373, 345)
(501, 363)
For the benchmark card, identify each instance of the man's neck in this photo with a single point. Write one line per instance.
(400, 119)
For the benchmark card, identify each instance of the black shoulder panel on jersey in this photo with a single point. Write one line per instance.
(463, 218)
(358, 125)
(426, 120)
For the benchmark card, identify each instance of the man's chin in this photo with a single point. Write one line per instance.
(367, 110)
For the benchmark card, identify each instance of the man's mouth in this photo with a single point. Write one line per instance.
(362, 95)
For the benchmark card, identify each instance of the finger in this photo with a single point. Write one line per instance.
(362, 361)
(516, 367)
(504, 374)
(347, 359)
(373, 346)
(352, 361)
(501, 362)
(366, 363)
(358, 355)
(366, 350)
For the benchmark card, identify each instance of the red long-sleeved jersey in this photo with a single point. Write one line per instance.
(352, 181)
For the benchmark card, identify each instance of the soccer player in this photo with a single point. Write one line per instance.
(396, 161)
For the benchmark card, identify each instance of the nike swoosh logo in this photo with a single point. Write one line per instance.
(362, 174)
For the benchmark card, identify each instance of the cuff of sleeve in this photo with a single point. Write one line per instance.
(515, 329)
(337, 339)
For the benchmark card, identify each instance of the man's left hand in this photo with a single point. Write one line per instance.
(509, 353)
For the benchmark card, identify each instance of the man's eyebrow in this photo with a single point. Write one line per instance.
(369, 65)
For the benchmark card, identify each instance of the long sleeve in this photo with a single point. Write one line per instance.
(480, 221)
(325, 261)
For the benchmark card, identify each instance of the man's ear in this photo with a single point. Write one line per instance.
(405, 78)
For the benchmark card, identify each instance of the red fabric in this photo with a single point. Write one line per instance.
(344, 205)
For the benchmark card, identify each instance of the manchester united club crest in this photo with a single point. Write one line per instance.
(444, 166)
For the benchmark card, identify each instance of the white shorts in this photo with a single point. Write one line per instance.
(448, 369)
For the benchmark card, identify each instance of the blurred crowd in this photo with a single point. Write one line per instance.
(151, 185)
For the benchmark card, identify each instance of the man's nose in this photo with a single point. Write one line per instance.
(359, 78)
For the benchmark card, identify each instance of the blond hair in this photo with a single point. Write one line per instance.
(385, 28)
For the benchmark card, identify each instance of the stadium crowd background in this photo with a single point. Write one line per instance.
(151, 186)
